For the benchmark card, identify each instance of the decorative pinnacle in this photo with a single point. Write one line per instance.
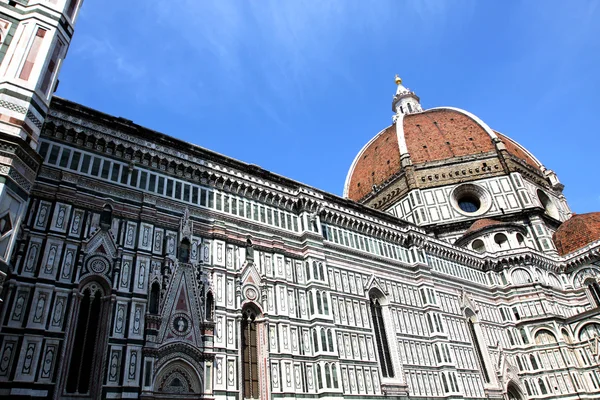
(398, 80)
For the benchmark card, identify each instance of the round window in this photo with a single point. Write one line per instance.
(470, 200)
(478, 245)
(469, 203)
(548, 204)
(520, 239)
(501, 240)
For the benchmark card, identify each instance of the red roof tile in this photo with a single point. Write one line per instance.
(577, 232)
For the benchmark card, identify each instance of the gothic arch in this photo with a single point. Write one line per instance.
(87, 337)
(178, 377)
(514, 391)
(587, 328)
(250, 332)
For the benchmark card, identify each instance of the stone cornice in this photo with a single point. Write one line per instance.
(120, 138)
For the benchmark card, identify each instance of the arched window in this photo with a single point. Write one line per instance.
(323, 340)
(437, 353)
(594, 289)
(542, 386)
(315, 270)
(334, 374)
(589, 331)
(330, 339)
(544, 336)
(311, 303)
(511, 338)
(328, 375)
(325, 305)
(533, 361)
(385, 359)
(315, 341)
(88, 333)
(520, 276)
(250, 354)
(307, 265)
(154, 298)
(519, 363)
(321, 271)
(319, 377)
(319, 303)
(524, 336)
(478, 245)
(501, 240)
(477, 343)
(520, 240)
(528, 388)
(553, 281)
(445, 383)
(548, 205)
(210, 305)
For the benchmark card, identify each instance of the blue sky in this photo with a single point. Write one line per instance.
(298, 87)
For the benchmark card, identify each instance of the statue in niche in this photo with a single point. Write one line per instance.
(249, 251)
(184, 251)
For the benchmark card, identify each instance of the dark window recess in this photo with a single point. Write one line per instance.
(53, 155)
(594, 288)
(184, 251)
(249, 356)
(125, 175)
(383, 349)
(114, 176)
(186, 192)
(105, 169)
(143, 180)
(75, 161)
(85, 165)
(203, 197)
(96, 166)
(477, 346)
(152, 183)
(195, 195)
(178, 190)
(161, 185)
(154, 298)
(106, 217)
(64, 158)
(44, 149)
(469, 203)
(84, 344)
(134, 177)
(209, 306)
(169, 187)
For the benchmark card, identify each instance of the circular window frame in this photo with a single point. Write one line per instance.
(479, 249)
(471, 190)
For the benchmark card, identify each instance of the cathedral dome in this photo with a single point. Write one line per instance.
(426, 137)
(577, 232)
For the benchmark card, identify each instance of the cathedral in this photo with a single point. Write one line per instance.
(135, 265)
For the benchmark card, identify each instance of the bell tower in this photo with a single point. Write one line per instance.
(34, 38)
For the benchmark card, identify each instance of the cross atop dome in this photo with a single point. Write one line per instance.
(405, 101)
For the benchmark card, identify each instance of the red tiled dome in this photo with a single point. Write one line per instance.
(432, 135)
(480, 224)
(577, 232)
